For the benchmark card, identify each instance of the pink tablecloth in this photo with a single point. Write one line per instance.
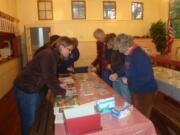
(134, 124)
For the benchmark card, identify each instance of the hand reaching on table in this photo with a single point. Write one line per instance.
(124, 80)
(91, 68)
(109, 67)
(63, 85)
(70, 69)
(113, 77)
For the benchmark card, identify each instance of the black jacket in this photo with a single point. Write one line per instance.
(42, 70)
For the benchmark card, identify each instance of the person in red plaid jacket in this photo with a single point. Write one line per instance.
(100, 59)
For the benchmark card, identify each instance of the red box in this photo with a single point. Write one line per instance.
(84, 124)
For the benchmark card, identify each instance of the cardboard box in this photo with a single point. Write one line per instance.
(82, 119)
(105, 105)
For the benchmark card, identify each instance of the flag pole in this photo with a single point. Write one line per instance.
(169, 37)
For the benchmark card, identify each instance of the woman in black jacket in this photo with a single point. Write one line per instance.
(39, 72)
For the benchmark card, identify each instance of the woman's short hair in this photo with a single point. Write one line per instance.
(117, 61)
(123, 42)
(98, 31)
(110, 38)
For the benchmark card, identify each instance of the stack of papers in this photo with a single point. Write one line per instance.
(86, 88)
(67, 80)
(67, 102)
(70, 93)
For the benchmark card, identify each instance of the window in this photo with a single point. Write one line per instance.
(45, 9)
(109, 10)
(78, 10)
(137, 10)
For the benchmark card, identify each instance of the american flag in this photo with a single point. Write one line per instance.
(170, 37)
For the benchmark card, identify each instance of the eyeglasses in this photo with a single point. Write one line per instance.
(69, 49)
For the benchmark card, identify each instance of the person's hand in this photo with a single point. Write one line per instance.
(113, 77)
(124, 80)
(90, 68)
(70, 69)
(109, 67)
(64, 86)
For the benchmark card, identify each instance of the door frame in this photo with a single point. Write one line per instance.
(27, 36)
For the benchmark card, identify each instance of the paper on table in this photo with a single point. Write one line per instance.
(71, 92)
(56, 110)
(88, 94)
(59, 118)
(80, 111)
(67, 102)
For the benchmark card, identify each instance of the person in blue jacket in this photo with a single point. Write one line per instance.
(68, 63)
(137, 74)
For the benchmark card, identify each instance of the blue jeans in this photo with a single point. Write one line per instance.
(105, 77)
(28, 104)
(122, 90)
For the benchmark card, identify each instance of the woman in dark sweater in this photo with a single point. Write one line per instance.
(40, 71)
(115, 62)
(117, 65)
(110, 38)
(138, 73)
(109, 41)
(53, 38)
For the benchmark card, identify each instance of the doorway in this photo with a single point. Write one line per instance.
(35, 37)
(39, 36)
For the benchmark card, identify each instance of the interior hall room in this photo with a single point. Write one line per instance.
(96, 67)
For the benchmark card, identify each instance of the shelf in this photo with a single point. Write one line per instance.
(8, 59)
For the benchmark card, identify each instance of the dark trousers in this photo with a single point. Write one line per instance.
(27, 104)
(143, 102)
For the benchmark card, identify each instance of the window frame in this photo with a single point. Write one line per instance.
(108, 18)
(39, 18)
(142, 11)
(72, 13)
